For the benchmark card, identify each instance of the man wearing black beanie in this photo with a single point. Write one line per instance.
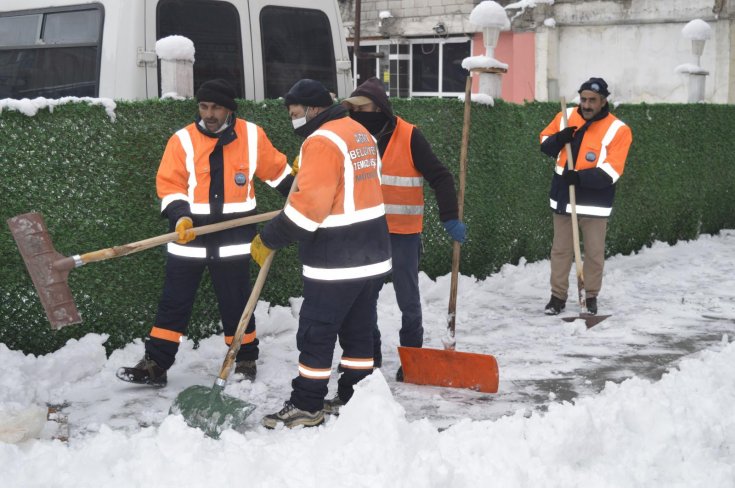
(206, 176)
(338, 218)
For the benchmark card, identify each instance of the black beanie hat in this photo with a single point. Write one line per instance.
(218, 91)
(309, 93)
(597, 85)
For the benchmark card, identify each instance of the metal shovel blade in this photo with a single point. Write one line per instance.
(34, 243)
(589, 319)
(211, 410)
(450, 368)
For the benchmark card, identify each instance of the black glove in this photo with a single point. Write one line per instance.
(571, 177)
(565, 135)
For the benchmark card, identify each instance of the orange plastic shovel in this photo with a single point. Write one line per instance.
(448, 367)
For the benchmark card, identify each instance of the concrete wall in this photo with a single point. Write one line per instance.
(635, 45)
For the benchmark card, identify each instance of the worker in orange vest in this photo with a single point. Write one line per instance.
(600, 143)
(337, 216)
(206, 176)
(407, 160)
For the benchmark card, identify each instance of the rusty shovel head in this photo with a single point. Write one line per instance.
(450, 368)
(34, 243)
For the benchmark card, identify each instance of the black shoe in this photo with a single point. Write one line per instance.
(591, 304)
(291, 416)
(555, 306)
(247, 368)
(146, 372)
(399, 374)
(332, 406)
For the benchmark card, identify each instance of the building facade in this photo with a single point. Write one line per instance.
(416, 47)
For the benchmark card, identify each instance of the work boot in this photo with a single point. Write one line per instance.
(591, 304)
(555, 306)
(399, 374)
(146, 372)
(332, 406)
(247, 368)
(291, 416)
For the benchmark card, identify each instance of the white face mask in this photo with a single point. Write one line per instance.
(301, 121)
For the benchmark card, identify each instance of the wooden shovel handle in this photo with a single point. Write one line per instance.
(224, 371)
(125, 249)
(452, 308)
(573, 204)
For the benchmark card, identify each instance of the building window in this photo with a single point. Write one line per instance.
(436, 67)
(51, 53)
(214, 28)
(297, 43)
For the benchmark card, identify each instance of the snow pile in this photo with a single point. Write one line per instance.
(525, 4)
(697, 30)
(482, 62)
(690, 68)
(490, 14)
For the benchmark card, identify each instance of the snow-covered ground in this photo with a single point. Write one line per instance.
(644, 399)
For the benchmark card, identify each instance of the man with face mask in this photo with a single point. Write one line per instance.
(206, 176)
(338, 218)
(407, 160)
(600, 143)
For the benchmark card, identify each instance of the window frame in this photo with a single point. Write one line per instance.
(39, 44)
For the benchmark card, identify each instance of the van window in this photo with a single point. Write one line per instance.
(51, 53)
(297, 43)
(214, 28)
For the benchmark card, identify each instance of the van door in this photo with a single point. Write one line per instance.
(294, 40)
(221, 35)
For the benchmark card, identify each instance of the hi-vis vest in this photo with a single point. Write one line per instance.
(340, 201)
(185, 175)
(403, 185)
(605, 146)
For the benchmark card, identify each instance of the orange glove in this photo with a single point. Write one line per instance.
(295, 166)
(259, 251)
(184, 227)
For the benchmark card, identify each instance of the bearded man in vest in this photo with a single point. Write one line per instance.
(206, 176)
(407, 160)
(600, 144)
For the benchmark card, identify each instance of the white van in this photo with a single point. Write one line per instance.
(106, 48)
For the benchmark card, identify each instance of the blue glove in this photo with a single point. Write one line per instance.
(456, 229)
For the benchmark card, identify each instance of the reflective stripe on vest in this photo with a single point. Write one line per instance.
(590, 210)
(201, 252)
(227, 208)
(333, 274)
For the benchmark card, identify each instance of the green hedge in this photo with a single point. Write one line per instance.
(94, 181)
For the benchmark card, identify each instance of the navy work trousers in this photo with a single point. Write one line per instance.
(347, 310)
(406, 251)
(231, 281)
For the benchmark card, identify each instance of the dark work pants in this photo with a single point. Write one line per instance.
(231, 281)
(332, 309)
(406, 251)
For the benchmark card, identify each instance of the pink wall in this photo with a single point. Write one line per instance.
(517, 50)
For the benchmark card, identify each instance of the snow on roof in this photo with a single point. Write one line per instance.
(490, 14)
(524, 4)
(175, 48)
(697, 29)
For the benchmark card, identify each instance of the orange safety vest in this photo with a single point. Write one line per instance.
(402, 183)
(339, 199)
(184, 174)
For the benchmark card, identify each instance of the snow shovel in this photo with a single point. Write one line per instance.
(49, 270)
(210, 409)
(448, 367)
(573, 204)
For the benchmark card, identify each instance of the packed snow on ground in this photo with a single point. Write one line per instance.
(643, 399)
